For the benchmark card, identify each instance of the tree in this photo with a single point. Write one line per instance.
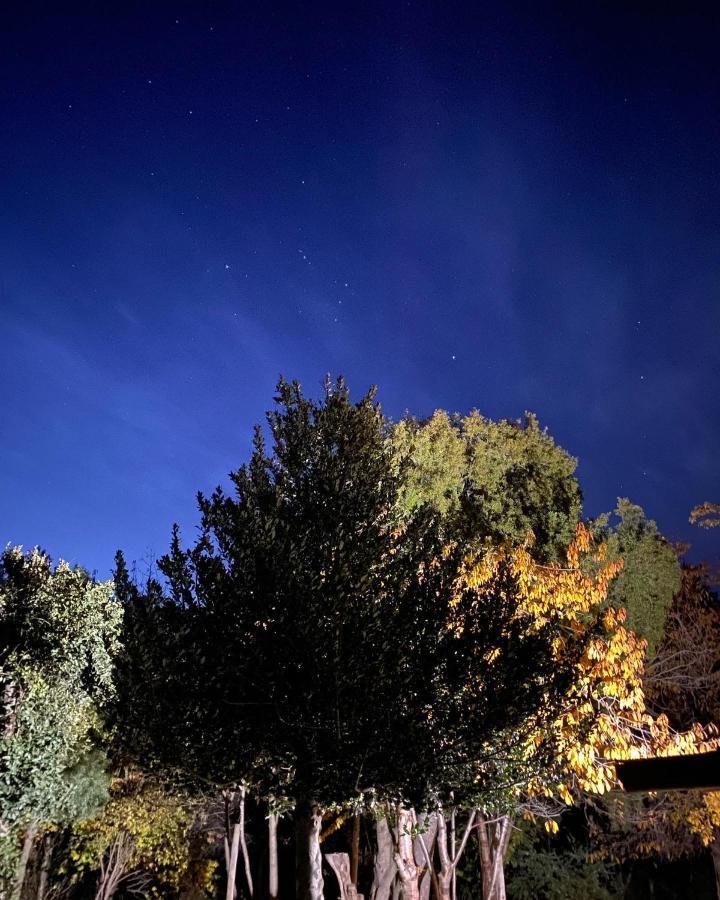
(338, 650)
(141, 839)
(651, 572)
(58, 636)
(604, 715)
(682, 684)
(491, 481)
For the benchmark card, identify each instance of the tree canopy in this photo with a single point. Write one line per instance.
(58, 636)
(492, 481)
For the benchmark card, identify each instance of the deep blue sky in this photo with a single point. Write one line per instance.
(503, 206)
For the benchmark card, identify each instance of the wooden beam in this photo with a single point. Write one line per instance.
(671, 773)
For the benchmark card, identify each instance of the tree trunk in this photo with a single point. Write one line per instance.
(384, 870)
(273, 857)
(445, 875)
(493, 841)
(45, 866)
(29, 840)
(407, 868)
(340, 864)
(232, 863)
(453, 849)
(355, 850)
(308, 858)
(499, 889)
(424, 850)
(243, 844)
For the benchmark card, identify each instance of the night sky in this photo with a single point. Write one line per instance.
(504, 206)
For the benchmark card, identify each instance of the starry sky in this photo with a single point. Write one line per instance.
(508, 206)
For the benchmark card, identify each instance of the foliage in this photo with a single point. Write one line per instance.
(327, 649)
(373, 615)
(604, 716)
(492, 481)
(58, 635)
(542, 873)
(156, 822)
(706, 515)
(651, 572)
(683, 683)
(684, 678)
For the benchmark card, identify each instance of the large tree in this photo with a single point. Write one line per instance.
(332, 647)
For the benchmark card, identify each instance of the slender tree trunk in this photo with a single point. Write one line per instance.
(384, 870)
(355, 850)
(232, 863)
(30, 835)
(227, 861)
(273, 857)
(243, 844)
(114, 868)
(308, 858)
(446, 861)
(45, 866)
(407, 868)
(424, 850)
(227, 800)
(453, 850)
(449, 858)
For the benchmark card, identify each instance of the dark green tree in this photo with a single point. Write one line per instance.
(322, 646)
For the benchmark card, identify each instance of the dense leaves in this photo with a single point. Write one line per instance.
(58, 635)
(492, 481)
(406, 620)
(650, 576)
(339, 648)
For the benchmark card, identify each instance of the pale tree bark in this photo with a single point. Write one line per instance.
(493, 840)
(227, 800)
(27, 848)
(340, 864)
(115, 869)
(407, 869)
(308, 858)
(453, 850)
(448, 860)
(384, 869)
(273, 875)
(424, 850)
(243, 843)
(231, 863)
